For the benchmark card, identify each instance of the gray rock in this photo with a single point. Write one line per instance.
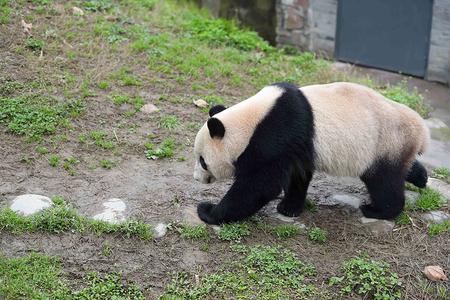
(378, 227)
(29, 204)
(435, 123)
(346, 200)
(159, 230)
(114, 211)
(411, 196)
(436, 216)
(149, 108)
(440, 186)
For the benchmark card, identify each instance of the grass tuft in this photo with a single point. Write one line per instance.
(441, 173)
(233, 231)
(438, 228)
(368, 278)
(429, 199)
(165, 150)
(318, 235)
(286, 230)
(193, 232)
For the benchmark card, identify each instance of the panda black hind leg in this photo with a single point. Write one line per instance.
(385, 181)
(295, 194)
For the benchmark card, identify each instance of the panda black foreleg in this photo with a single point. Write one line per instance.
(385, 182)
(295, 194)
(247, 195)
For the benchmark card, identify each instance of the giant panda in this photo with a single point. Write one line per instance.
(276, 139)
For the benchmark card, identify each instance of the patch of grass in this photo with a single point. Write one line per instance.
(429, 199)
(165, 150)
(170, 122)
(103, 85)
(37, 276)
(310, 205)
(286, 230)
(5, 12)
(97, 5)
(262, 273)
(100, 139)
(403, 219)
(318, 235)
(438, 228)
(41, 150)
(107, 164)
(193, 231)
(441, 173)
(69, 164)
(368, 278)
(126, 77)
(34, 276)
(35, 45)
(34, 115)
(400, 93)
(53, 160)
(233, 231)
(61, 217)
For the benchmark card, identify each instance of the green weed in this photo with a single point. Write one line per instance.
(61, 217)
(41, 150)
(193, 231)
(438, 228)
(368, 278)
(69, 164)
(37, 276)
(97, 5)
(53, 160)
(286, 230)
(317, 235)
(5, 12)
(170, 122)
(263, 273)
(441, 173)
(100, 139)
(233, 231)
(106, 164)
(403, 219)
(165, 150)
(399, 93)
(103, 85)
(35, 45)
(429, 199)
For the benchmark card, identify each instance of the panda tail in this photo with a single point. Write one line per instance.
(417, 175)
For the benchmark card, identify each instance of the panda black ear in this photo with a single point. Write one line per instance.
(216, 128)
(216, 109)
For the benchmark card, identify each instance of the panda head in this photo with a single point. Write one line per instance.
(212, 160)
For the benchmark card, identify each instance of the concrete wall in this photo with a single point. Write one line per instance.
(439, 57)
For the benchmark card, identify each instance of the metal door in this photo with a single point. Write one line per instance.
(387, 34)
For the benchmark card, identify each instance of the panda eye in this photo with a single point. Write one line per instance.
(203, 163)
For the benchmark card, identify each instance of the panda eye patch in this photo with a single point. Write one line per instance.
(203, 163)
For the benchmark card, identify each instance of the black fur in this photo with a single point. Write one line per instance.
(216, 109)
(216, 128)
(417, 175)
(279, 156)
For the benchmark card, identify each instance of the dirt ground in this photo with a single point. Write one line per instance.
(164, 191)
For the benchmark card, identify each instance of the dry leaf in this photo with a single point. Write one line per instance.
(201, 103)
(26, 26)
(434, 273)
(77, 11)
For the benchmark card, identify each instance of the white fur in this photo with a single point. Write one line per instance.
(240, 122)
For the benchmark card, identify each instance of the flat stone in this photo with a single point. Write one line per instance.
(347, 200)
(113, 212)
(160, 230)
(440, 186)
(29, 204)
(411, 195)
(378, 227)
(190, 216)
(149, 108)
(282, 218)
(436, 216)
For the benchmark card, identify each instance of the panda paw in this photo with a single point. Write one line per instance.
(287, 211)
(204, 212)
